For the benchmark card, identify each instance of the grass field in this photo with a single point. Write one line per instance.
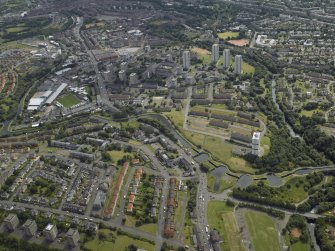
(294, 194)
(220, 150)
(309, 113)
(224, 183)
(68, 100)
(121, 242)
(203, 54)
(228, 34)
(297, 246)
(117, 155)
(263, 232)
(266, 144)
(150, 228)
(221, 217)
(14, 45)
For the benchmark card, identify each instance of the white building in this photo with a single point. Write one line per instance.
(226, 58)
(264, 41)
(124, 66)
(50, 232)
(238, 64)
(256, 144)
(122, 75)
(186, 60)
(133, 79)
(215, 53)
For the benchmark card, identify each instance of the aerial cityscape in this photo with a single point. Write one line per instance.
(161, 125)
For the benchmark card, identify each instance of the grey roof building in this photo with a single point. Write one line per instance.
(50, 232)
(29, 228)
(72, 237)
(11, 222)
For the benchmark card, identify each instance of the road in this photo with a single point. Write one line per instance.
(101, 85)
(130, 230)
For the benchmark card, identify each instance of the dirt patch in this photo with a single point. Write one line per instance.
(200, 51)
(239, 42)
(295, 233)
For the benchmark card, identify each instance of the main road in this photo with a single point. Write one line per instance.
(101, 85)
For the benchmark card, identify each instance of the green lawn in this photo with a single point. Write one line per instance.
(121, 243)
(266, 144)
(117, 155)
(309, 113)
(150, 228)
(220, 150)
(294, 194)
(68, 100)
(16, 29)
(297, 246)
(263, 231)
(228, 34)
(224, 183)
(202, 54)
(221, 217)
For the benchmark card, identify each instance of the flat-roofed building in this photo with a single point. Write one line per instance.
(11, 222)
(50, 232)
(72, 237)
(29, 228)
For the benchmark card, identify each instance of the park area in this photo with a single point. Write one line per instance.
(108, 240)
(221, 218)
(68, 100)
(219, 149)
(262, 230)
(228, 35)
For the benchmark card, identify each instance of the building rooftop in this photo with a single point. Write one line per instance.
(256, 135)
(49, 227)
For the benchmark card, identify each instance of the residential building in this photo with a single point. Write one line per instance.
(72, 237)
(133, 79)
(186, 60)
(226, 58)
(50, 232)
(238, 64)
(29, 228)
(215, 53)
(122, 75)
(124, 66)
(256, 142)
(11, 222)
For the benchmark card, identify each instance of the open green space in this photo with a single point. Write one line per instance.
(262, 230)
(299, 246)
(294, 190)
(222, 151)
(68, 100)
(203, 55)
(228, 35)
(221, 217)
(219, 149)
(224, 183)
(309, 113)
(266, 144)
(118, 155)
(114, 242)
(150, 228)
